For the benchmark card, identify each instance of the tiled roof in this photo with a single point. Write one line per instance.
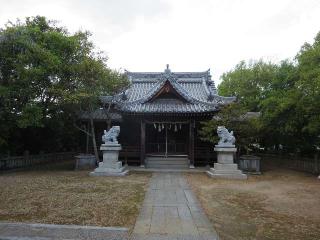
(168, 106)
(196, 88)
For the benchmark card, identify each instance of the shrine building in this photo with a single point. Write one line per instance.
(160, 115)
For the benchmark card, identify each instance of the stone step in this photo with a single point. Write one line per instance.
(167, 159)
(172, 166)
(168, 162)
(176, 162)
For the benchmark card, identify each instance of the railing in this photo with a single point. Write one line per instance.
(311, 165)
(27, 160)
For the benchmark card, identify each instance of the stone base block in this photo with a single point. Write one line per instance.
(229, 171)
(85, 161)
(226, 166)
(120, 174)
(114, 170)
(111, 165)
(226, 171)
(236, 175)
(107, 169)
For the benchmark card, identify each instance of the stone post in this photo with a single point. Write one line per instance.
(110, 166)
(225, 167)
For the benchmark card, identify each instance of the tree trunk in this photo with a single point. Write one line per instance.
(87, 139)
(94, 143)
(108, 124)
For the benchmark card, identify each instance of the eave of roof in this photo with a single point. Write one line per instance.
(100, 115)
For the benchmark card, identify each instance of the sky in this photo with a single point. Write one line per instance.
(190, 35)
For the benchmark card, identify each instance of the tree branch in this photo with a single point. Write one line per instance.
(82, 130)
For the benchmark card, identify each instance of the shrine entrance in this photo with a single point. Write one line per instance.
(167, 138)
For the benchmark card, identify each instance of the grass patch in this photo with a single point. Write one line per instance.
(71, 197)
(280, 204)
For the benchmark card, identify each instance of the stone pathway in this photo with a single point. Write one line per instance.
(171, 211)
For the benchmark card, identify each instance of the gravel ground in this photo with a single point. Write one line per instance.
(280, 204)
(71, 197)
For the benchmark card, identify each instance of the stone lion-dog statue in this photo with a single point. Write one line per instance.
(226, 137)
(111, 135)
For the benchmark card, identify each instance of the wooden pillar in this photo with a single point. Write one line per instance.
(143, 143)
(191, 143)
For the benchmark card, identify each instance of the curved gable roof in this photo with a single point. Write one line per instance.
(196, 88)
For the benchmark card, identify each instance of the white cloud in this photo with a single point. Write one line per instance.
(190, 35)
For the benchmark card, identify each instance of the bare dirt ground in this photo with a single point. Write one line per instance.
(71, 197)
(280, 204)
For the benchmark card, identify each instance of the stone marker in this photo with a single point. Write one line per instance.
(225, 167)
(110, 166)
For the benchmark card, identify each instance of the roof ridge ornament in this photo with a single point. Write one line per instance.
(167, 70)
(124, 96)
(168, 75)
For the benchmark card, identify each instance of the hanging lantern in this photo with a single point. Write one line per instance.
(162, 126)
(175, 128)
(180, 126)
(159, 128)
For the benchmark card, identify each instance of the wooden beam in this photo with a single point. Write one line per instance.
(191, 143)
(143, 143)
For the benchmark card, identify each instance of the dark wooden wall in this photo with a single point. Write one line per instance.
(130, 139)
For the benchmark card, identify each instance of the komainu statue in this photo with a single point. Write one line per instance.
(112, 135)
(226, 137)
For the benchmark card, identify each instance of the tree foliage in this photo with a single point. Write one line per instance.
(45, 73)
(233, 117)
(287, 95)
(308, 85)
(248, 82)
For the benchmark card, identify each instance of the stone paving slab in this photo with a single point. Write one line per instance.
(171, 211)
(25, 231)
(172, 237)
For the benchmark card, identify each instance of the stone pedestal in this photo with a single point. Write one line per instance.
(250, 164)
(225, 167)
(110, 166)
(85, 161)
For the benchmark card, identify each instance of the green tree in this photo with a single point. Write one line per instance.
(271, 90)
(280, 120)
(308, 86)
(235, 118)
(248, 82)
(43, 70)
(286, 94)
(97, 80)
